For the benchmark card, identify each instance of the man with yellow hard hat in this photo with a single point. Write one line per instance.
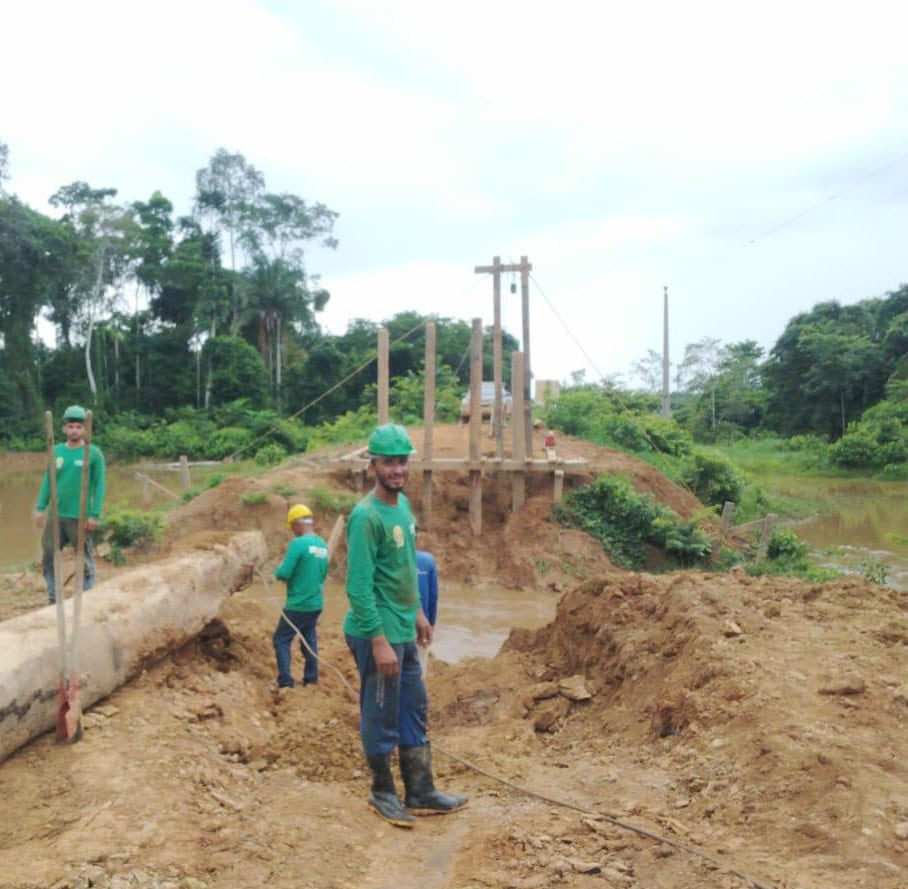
(304, 569)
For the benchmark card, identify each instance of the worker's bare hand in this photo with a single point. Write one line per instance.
(425, 632)
(91, 524)
(385, 659)
(39, 519)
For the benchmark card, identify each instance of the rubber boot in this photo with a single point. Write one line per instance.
(421, 796)
(383, 800)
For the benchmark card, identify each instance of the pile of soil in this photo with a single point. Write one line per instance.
(756, 722)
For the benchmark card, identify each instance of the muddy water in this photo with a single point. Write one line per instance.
(19, 484)
(870, 524)
(472, 621)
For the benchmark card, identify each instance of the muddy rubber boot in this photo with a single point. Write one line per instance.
(421, 796)
(383, 800)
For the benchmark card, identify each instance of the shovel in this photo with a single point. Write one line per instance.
(69, 701)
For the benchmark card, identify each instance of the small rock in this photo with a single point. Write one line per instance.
(543, 691)
(585, 867)
(192, 883)
(574, 688)
(682, 803)
(731, 629)
(901, 830)
(843, 685)
(106, 710)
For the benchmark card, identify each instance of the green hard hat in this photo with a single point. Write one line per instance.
(390, 440)
(74, 412)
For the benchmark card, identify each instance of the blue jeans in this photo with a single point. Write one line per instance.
(69, 533)
(305, 622)
(392, 710)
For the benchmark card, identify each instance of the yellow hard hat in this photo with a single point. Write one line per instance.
(296, 512)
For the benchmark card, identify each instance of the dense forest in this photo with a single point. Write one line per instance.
(210, 320)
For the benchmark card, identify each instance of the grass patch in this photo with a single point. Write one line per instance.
(254, 498)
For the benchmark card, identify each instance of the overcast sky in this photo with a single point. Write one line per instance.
(751, 157)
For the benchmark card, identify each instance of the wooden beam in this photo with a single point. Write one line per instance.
(484, 464)
(475, 425)
(558, 486)
(497, 376)
(518, 480)
(383, 352)
(428, 422)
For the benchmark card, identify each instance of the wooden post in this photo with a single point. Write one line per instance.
(666, 394)
(497, 376)
(728, 513)
(383, 350)
(518, 417)
(184, 472)
(428, 422)
(766, 535)
(558, 486)
(527, 366)
(475, 425)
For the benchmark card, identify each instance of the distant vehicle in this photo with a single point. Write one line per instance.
(486, 401)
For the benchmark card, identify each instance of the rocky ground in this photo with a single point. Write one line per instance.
(756, 725)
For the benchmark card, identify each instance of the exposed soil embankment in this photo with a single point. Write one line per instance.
(757, 721)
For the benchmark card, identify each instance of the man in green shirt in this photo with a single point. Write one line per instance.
(304, 569)
(382, 627)
(68, 458)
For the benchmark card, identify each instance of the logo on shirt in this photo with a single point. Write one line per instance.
(320, 552)
(398, 535)
(59, 462)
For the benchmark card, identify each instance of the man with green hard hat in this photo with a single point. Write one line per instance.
(382, 628)
(68, 462)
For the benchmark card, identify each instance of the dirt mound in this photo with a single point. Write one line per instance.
(759, 716)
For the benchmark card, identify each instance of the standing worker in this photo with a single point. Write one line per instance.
(304, 569)
(68, 458)
(382, 627)
(427, 576)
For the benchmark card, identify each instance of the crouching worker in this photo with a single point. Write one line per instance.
(382, 627)
(304, 569)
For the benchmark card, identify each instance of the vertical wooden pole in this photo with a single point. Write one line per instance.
(558, 486)
(518, 417)
(475, 426)
(428, 423)
(666, 394)
(527, 367)
(184, 472)
(383, 350)
(497, 376)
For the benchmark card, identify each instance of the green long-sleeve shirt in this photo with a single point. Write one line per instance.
(69, 482)
(381, 571)
(304, 569)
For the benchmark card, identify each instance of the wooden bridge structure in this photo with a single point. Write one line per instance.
(516, 462)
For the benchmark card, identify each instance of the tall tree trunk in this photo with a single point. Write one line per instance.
(277, 361)
(138, 363)
(209, 381)
(117, 370)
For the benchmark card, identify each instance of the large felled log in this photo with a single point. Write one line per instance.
(127, 623)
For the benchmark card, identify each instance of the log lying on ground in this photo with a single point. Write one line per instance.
(127, 623)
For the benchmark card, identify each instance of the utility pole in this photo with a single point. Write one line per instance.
(666, 395)
(496, 269)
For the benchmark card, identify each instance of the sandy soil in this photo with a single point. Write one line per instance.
(756, 723)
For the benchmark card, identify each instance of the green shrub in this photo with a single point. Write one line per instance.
(624, 521)
(191, 494)
(785, 544)
(131, 527)
(712, 478)
(270, 454)
(254, 498)
(215, 480)
(227, 441)
(325, 499)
